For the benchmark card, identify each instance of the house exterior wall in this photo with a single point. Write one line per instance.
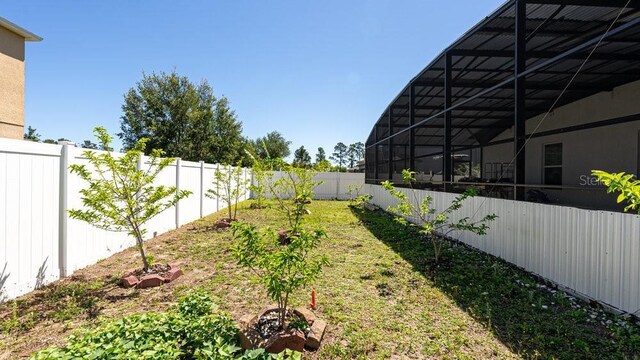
(11, 84)
(611, 148)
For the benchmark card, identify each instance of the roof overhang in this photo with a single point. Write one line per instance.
(560, 35)
(22, 32)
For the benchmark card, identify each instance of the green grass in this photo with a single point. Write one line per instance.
(380, 295)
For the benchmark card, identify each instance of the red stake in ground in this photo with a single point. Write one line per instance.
(313, 300)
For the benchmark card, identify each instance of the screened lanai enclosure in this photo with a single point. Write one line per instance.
(522, 106)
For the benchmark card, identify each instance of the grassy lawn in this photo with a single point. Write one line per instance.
(380, 296)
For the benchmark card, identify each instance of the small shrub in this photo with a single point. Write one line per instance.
(435, 226)
(188, 330)
(230, 187)
(293, 193)
(355, 198)
(282, 269)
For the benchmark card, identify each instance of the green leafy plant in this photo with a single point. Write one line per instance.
(436, 226)
(355, 198)
(229, 186)
(626, 184)
(293, 192)
(121, 197)
(282, 269)
(189, 330)
(261, 172)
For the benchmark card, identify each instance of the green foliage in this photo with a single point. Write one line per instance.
(356, 198)
(189, 330)
(261, 172)
(184, 119)
(321, 155)
(435, 226)
(88, 144)
(339, 155)
(229, 186)
(282, 269)
(301, 158)
(272, 146)
(626, 184)
(32, 134)
(119, 197)
(322, 166)
(293, 191)
(355, 154)
(16, 322)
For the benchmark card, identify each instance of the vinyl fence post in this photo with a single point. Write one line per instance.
(338, 186)
(178, 164)
(201, 189)
(62, 215)
(217, 188)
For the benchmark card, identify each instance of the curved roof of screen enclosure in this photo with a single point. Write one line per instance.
(559, 35)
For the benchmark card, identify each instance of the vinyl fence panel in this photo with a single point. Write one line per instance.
(38, 240)
(594, 254)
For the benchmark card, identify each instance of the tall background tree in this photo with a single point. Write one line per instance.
(321, 156)
(301, 158)
(272, 146)
(340, 154)
(32, 134)
(184, 119)
(355, 154)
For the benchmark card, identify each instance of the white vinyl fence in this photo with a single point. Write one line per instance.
(40, 243)
(595, 254)
(334, 185)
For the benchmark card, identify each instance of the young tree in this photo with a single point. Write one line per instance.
(229, 186)
(262, 173)
(320, 155)
(340, 154)
(435, 226)
(282, 269)
(301, 158)
(293, 191)
(119, 196)
(32, 135)
(272, 146)
(626, 184)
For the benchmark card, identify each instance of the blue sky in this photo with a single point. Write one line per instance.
(317, 71)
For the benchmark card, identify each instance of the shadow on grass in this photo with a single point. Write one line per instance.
(531, 318)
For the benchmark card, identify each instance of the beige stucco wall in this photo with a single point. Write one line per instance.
(612, 148)
(11, 84)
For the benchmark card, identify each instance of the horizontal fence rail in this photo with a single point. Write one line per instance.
(593, 254)
(39, 243)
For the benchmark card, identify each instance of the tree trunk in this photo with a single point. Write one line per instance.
(140, 242)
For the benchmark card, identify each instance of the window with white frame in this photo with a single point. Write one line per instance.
(552, 172)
